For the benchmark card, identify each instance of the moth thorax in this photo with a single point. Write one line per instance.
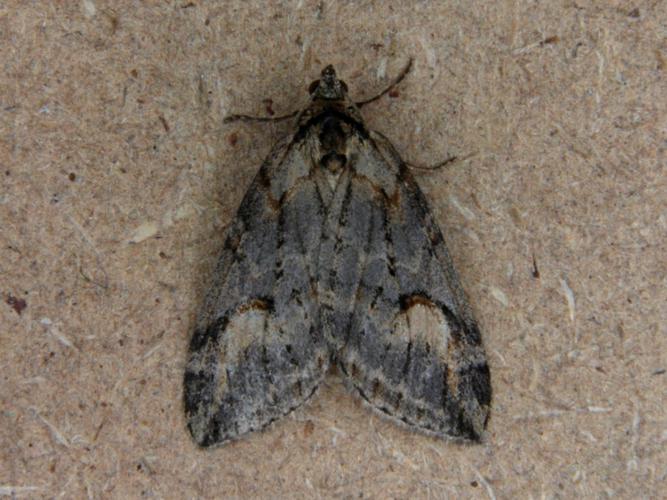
(333, 137)
(332, 165)
(333, 162)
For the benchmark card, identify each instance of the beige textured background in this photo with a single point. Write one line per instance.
(118, 178)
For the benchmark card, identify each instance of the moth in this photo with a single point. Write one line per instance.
(335, 259)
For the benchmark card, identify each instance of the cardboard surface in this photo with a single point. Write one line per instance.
(118, 178)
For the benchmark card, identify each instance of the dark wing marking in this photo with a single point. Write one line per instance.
(256, 354)
(405, 337)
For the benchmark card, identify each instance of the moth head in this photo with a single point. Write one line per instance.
(328, 87)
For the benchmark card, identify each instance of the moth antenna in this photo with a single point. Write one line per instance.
(248, 118)
(395, 82)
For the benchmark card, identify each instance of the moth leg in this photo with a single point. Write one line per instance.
(248, 118)
(395, 82)
(449, 161)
